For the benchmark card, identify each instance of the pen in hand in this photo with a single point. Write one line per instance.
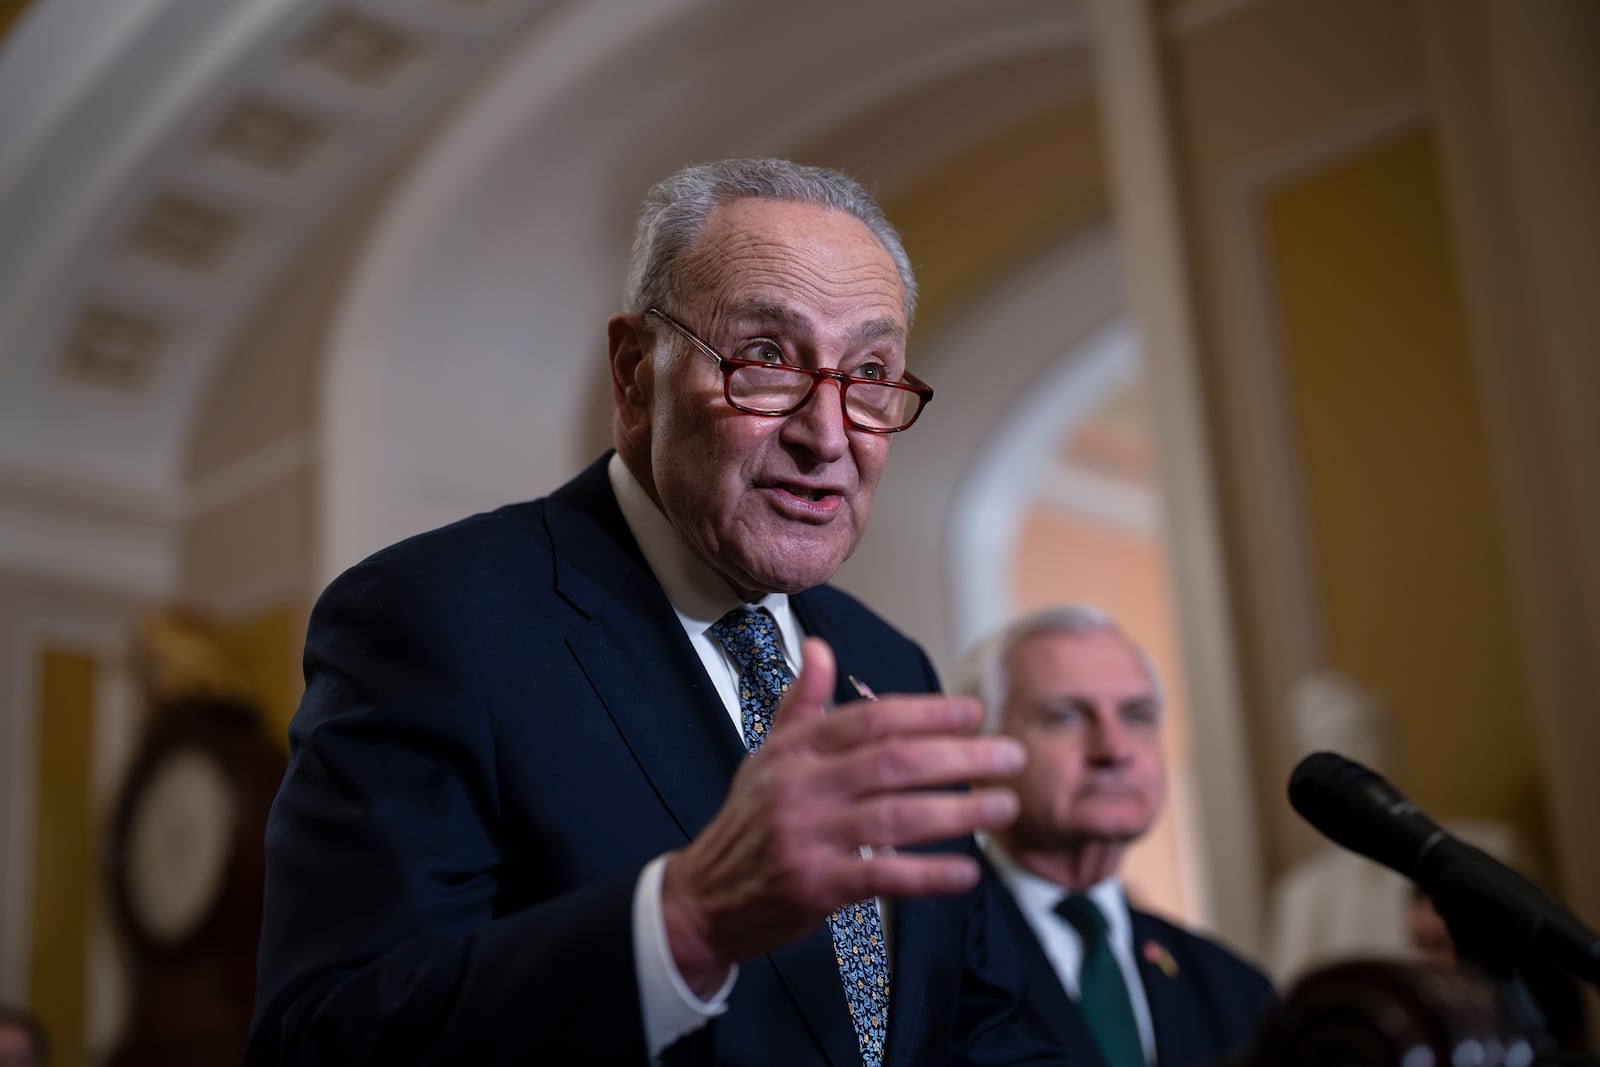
(863, 690)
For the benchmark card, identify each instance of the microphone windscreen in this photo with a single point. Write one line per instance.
(1356, 808)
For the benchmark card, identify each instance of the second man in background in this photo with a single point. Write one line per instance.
(1119, 986)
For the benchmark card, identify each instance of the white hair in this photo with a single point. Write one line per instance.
(983, 672)
(676, 209)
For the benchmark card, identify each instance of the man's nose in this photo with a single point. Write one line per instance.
(819, 426)
(1108, 742)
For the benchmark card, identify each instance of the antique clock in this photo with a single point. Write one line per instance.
(185, 864)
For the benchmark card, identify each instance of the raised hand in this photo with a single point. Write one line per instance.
(784, 850)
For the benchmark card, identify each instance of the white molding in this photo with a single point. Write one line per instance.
(227, 484)
(272, 463)
(109, 499)
(251, 595)
(118, 724)
(1049, 31)
(1094, 495)
(87, 544)
(1150, 226)
(109, 537)
(94, 33)
(1003, 477)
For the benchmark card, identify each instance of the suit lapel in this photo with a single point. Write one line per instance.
(816, 621)
(642, 666)
(1042, 986)
(637, 657)
(662, 704)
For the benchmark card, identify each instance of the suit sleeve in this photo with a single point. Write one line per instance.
(381, 939)
(993, 1024)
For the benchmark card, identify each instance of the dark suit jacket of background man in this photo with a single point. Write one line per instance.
(505, 720)
(1208, 1007)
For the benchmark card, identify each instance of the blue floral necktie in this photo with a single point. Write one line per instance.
(751, 637)
(1102, 991)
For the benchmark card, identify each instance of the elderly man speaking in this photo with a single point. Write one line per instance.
(562, 789)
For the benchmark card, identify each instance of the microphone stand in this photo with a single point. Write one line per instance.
(1500, 949)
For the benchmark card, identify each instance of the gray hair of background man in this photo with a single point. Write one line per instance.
(983, 671)
(676, 208)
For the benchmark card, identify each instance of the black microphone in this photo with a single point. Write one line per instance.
(1496, 916)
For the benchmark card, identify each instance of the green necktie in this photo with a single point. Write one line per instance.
(1102, 993)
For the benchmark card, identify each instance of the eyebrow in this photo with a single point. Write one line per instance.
(1057, 701)
(780, 317)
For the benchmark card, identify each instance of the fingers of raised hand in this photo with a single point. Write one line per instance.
(904, 875)
(915, 818)
(852, 725)
(901, 762)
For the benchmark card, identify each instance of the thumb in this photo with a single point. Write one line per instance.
(808, 695)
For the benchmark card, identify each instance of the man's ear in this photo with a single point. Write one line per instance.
(632, 376)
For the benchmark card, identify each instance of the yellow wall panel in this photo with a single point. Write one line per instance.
(64, 848)
(1379, 379)
(266, 651)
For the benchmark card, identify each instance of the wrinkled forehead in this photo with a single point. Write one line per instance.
(790, 258)
(1094, 664)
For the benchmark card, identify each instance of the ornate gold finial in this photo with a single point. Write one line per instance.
(177, 658)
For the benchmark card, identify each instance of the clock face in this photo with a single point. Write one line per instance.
(180, 839)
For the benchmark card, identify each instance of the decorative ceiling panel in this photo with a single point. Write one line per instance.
(267, 135)
(184, 232)
(359, 48)
(113, 347)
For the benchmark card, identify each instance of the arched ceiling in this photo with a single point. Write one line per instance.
(170, 158)
(175, 161)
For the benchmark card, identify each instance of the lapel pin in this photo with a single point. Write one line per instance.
(863, 690)
(1157, 955)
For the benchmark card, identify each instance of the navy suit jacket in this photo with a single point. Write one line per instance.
(1205, 1002)
(503, 723)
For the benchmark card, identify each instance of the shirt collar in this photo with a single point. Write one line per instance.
(698, 594)
(1038, 896)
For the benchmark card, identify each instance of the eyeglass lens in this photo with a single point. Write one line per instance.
(778, 389)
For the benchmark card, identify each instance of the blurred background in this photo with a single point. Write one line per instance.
(1268, 325)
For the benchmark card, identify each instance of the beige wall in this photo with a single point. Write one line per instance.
(1364, 186)
(1411, 566)
(1517, 98)
(1256, 98)
(10, 12)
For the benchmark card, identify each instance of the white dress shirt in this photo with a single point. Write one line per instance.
(1037, 898)
(700, 597)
